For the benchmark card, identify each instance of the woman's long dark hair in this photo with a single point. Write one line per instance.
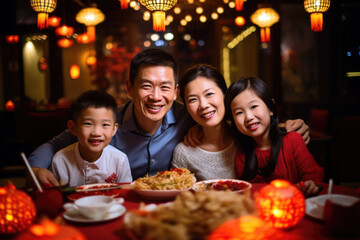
(245, 143)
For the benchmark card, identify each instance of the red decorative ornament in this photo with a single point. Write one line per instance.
(12, 39)
(9, 106)
(239, 4)
(247, 227)
(158, 9)
(280, 203)
(64, 31)
(84, 38)
(316, 9)
(240, 21)
(54, 21)
(43, 7)
(91, 60)
(124, 4)
(17, 210)
(65, 42)
(74, 71)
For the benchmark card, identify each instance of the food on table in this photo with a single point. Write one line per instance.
(222, 185)
(192, 215)
(176, 178)
(110, 193)
(100, 186)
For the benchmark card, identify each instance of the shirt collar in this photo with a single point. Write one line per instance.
(129, 123)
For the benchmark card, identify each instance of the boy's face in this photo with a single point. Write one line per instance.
(94, 129)
(153, 93)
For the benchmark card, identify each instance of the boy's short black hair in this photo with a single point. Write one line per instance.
(93, 98)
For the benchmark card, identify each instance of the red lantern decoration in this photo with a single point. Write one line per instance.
(12, 39)
(17, 210)
(49, 230)
(65, 42)
(91, 60)
(265, 17)
(159, 8)
(247, 227)
(240, 21)
(64, 31)
(9, 106)
(124, 4)
(54, 21)
(43, 7)
(280, 203)
(239, 4)
(74, 71)
(84, 38)
(316, 9)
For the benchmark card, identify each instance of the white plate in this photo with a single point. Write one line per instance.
(315, 205)
(97, 186)
(159, 194)
(199, 186)
(114, 212)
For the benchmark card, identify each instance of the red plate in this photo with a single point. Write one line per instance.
(91, 192)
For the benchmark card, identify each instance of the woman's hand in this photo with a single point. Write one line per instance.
(299, 126)
(308, 188)
(193, 136)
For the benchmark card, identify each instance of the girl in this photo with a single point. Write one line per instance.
(265, 152)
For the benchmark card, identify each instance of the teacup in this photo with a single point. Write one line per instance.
(94, 207)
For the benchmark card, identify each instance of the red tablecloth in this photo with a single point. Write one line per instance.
(308, 228)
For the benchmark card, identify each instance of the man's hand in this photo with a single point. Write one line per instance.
(300, 127)
(44, 176)
(193, 136)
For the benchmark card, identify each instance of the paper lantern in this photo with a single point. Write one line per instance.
(316, 9)
(240, 21)
(54, 21)
(43, 64)
(239, 4)
(17, 210)
(49, 230)
(43, 7)
(65, 42)
(247, 227)
(158, 8)
(90, 60)
(84, 38)
(124, 4)
(9, 106)
(90, 17)
(280, 203)
(64, 31)
(265, 17)
(12, 39)
(74, 71)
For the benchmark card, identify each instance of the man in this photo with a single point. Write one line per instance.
(150, 125)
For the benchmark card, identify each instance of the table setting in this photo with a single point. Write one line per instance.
(180, 207)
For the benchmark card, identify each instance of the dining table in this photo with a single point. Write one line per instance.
(307, 228)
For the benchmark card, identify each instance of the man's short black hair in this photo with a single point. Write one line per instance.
(96, 99)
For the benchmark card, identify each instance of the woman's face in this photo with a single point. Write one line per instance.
(251, 115)
(205, 102)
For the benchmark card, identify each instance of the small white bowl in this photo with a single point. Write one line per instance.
(94, 207)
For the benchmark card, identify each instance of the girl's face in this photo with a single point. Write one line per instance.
(251, 115)
(205, 102)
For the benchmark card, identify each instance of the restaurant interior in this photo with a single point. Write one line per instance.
(314, 73)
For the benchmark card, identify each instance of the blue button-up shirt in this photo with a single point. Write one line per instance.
(146, 153)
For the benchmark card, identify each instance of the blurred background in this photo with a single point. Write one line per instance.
(314, 75)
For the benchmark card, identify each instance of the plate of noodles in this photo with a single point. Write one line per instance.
(233, 185)
(164, 185)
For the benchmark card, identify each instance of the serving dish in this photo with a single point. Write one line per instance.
(222, 185)
(107, 189)
(159, 195)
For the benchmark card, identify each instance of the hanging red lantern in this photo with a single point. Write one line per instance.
(43, 7)
(17, 210)
(265, 17)
(158, 8)
(12, 39)
(90, 17)
(280, 203)
(239, 4)
(65, 42)
(124, 4)
(247, 227)
(240, 21)
(90, 60)
(316, 9)
(84, 38)
(9, 106)
(64, 31)
(54, 21)
(74, 71)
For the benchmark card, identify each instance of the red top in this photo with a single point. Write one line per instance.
(295, 162)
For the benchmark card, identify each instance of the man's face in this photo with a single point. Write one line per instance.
(153, 93)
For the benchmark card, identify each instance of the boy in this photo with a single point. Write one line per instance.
(92, 159)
